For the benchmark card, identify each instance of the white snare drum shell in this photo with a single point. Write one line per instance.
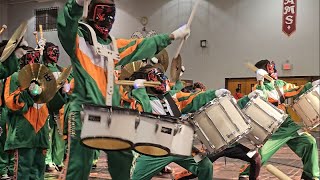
(99, 134)
(307, 107)
(182, 140)
(220, 124)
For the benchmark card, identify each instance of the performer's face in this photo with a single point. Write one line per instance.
(157, 75)
(53, 53)
(271, 68)
(30, 57)
(103, 19)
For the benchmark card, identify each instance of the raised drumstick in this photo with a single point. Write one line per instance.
(41, 31)
(188, 25)
(3, 28)
(35, 33)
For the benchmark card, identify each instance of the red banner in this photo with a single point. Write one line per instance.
(289, 16)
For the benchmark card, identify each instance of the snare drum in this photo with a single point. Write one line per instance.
(220, 123)
(307, 107)
(154, 134)
(108, 128)
(265, 119)
(182, 139)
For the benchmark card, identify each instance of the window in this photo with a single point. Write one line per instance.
(47, 18)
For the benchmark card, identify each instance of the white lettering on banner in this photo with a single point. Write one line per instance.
(289, 20)
(289, 9)
(288, 2)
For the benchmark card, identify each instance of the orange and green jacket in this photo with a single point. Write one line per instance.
(28, 123)
(88, 68)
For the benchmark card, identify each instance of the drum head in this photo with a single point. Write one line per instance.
(107, 143)
(149, 149)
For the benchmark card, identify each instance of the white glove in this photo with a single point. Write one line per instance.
(19, 52)
(182, 33)
(220, 92)
(56, 75)
(182, 70)
(41, 44)
(139, 83)
(154, 60)
(66, 88)
(254, 93)
(316, 82)
(35, 89)
(260, 74)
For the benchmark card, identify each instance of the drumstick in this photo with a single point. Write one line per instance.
(35, 33)
(3, 28)
(188, 25)
(85, 8)
(275, 171)
(131, 83)
(254, 68)
(41, 32)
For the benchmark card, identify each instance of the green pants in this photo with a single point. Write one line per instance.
(55, 152)
(80, 158)
(6, 159)
(304, 145)
(30, 164)
(146, 167)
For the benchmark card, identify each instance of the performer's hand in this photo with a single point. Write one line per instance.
(154, 60)
(221, 92)
(35, 89)
(182, 33)
(66, 87)
(260, 74)
(316, 82)
(41, 44)
(254, 93)
(20, 51)
(139, 83)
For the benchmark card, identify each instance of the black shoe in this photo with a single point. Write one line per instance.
(5, 176)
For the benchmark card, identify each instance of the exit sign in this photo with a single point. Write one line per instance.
(286, 66)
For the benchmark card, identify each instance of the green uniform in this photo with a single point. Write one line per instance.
(90, 86)
(7, 68)
(303, 144)
(55, 152)
(146, 167)
(27, 131)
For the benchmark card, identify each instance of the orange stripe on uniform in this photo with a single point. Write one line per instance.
(12, 99)
(96, 72)
(132, 48)
(37, 117)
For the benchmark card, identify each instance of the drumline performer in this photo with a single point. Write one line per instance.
(28, 126)
(7, 68)
(300, 142)
(89, 70)
(55, 152)
(161, 100)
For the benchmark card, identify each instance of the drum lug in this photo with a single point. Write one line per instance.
(157, 127)
(137, 122)
(109, 118)
(176, 129)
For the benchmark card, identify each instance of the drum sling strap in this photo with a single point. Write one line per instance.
(282, 98)
(175, 110)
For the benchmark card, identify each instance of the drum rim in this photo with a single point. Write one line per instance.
(105, 108)
(154, 145)
(104, 137)
(159, 117)
(305, 93)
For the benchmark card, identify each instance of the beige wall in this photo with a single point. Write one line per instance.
(236, 31)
